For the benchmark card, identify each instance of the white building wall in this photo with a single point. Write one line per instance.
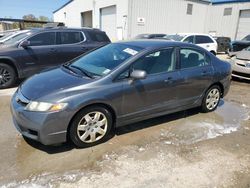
(160, 16)
(225, 25)
(74, 9)
(166, 16)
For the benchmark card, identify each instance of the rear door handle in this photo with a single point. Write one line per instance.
(53, 50)
(169, 80)
(204, 73)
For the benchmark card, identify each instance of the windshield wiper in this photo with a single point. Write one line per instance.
(69, 68)
(82, 71)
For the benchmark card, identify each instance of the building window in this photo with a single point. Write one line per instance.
(65, 15)
(227, 11)
(189, 9)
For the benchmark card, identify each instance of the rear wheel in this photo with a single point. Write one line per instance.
(7, 76)
(91, 126)
(211, 99)
(213, 52)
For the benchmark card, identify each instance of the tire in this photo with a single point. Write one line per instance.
(8, 76)
(213, 53)
(211, 99)
(88, 129)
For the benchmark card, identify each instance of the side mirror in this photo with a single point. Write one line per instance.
(25, 44)
(138, 74)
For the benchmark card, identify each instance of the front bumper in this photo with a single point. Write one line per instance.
(240, 70)
(45, 127)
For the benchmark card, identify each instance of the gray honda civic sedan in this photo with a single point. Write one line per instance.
(115, 85)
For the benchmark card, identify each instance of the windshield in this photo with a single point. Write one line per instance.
(6, 36)
(103, 60)
(246, 38)
(174, 37)
(142, 36)
(16, 38)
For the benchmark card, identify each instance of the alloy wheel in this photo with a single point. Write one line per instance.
(212, 99)
(92, 127)
(5, 76)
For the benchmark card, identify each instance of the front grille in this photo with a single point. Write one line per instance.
(20, 99)
(241, 65)
(241, 74)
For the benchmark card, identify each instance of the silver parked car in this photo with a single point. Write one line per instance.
(241, 64)
(115, 85)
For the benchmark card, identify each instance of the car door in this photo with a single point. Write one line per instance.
(156, 92)
(41, 53)
(196, 74)
(205, 42)
(70, 44)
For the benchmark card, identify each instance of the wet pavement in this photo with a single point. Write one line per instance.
(185, 149)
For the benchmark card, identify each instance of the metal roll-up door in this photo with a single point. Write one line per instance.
(108, 21)
(244, 24)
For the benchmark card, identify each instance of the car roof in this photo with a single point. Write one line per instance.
(64, 29)
(187, 34)
(153, 43)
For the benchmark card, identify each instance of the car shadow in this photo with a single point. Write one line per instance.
(240, 80)
(51, 149)
(156, 121)
(64, 147)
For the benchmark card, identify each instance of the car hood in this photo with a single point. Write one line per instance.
(240, 42)
(5, 50)
(50, 82)
(243, 55)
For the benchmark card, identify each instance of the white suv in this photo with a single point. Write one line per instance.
(203, 40)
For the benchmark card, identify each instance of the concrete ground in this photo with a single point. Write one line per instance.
(185, 149)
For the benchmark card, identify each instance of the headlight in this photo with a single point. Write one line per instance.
(233, 58)
(44, 106)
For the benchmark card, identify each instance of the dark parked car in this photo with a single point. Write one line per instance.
(223, 43)
(150, 36)
(116, 85)
(239, 45)
(40, 49)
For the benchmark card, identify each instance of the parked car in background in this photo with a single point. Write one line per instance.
(203, 40)
(12, 36)
(40, 49)
(241, 64)
(115, 85)
(223, 43)
(239, 45)
(150, 36)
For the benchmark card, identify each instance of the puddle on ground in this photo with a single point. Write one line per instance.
(225, 120)
(158, 162)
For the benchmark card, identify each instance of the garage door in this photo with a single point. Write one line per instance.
(244, 24)
(108, 21)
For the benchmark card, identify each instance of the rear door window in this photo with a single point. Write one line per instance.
(203, 39)
(42, 39)
(98, 36)
(69, 37)
(193, 58)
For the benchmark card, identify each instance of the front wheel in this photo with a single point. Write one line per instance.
(91, 126)
(211, 99)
